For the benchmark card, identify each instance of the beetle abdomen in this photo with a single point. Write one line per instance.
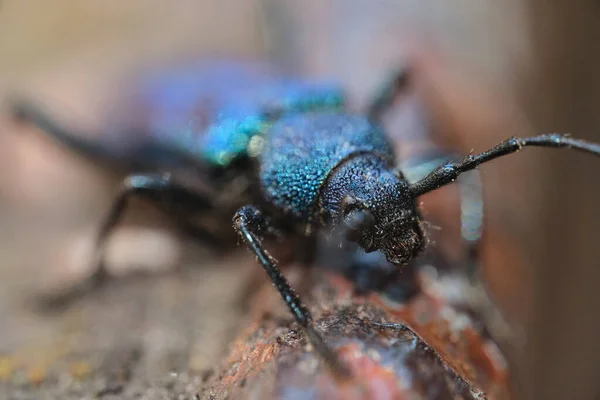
(301, 151)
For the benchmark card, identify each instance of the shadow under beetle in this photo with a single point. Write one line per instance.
(296, 159)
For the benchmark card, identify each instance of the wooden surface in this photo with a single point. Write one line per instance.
(199, 333)
(428, 347)
(151, 337)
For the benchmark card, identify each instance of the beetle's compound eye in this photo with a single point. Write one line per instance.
(359, 220)
(348, 204)
(359, 225)
(356, 215)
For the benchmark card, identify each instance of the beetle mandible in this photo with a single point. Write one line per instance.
(307, 165)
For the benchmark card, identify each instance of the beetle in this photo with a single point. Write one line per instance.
(300, 163)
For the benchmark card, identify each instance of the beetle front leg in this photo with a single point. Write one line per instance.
(252, 226)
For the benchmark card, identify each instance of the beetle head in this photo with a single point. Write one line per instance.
(373, 207)
(391, 226)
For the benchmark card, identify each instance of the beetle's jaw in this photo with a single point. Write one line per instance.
(402, 245)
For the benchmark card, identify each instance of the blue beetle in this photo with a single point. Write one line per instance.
(285, 153)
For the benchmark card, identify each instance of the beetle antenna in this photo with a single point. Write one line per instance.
(449, 172)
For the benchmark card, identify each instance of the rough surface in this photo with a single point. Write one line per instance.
(423, 349)
(145, 337)
(165, 337)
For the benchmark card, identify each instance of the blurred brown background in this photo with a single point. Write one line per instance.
(485, 72)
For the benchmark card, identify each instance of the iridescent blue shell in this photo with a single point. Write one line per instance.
(213, 113)
(302, 150)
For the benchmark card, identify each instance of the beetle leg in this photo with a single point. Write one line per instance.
(252, 226)
(33, 113)
(159, 189)
(128, 153)
(387, 93)
(172, 196)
